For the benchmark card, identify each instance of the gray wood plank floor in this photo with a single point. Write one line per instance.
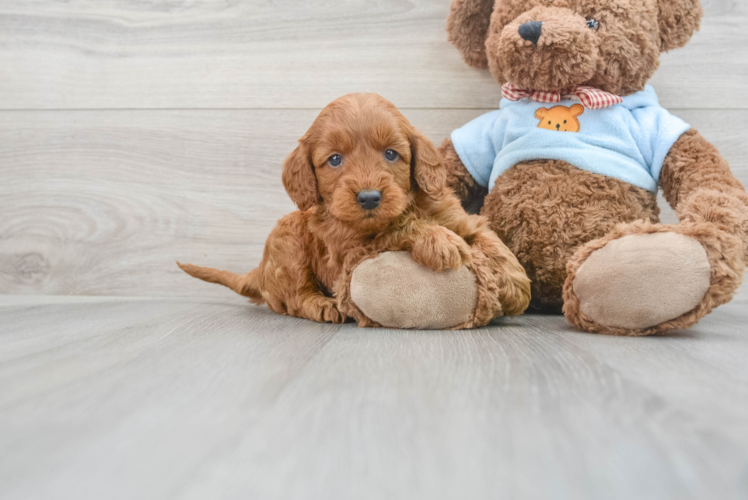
(216, 399)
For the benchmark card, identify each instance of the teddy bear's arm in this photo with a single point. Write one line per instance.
(467, 190)
(697, 183)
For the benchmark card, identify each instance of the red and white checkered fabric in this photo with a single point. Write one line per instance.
(590, 97)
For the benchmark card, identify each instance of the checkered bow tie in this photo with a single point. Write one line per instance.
(590, 97)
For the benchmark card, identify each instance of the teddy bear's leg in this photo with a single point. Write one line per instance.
(645, 278)
(392, 290)
(544, 210)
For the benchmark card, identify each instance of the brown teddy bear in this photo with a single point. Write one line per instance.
(578, 208)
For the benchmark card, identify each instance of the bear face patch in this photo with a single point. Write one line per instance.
(560, 118)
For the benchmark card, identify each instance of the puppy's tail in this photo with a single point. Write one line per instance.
(243, 284)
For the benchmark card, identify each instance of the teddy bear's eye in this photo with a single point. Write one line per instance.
(549, 122)
(592, 24)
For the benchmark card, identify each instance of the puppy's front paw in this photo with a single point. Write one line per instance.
(323, 310)
(331, 313)
(440, 249)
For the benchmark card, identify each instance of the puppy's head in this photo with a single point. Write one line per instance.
(364, 163)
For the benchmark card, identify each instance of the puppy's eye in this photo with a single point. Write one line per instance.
(391, 155)
(335, 160)
(592, 24)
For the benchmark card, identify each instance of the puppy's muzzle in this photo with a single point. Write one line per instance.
(369, 199)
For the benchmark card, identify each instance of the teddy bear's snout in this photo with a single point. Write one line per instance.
(545, 48)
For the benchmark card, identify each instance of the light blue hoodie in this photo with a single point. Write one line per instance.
(628, 141)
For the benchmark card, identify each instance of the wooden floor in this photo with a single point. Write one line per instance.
(118, 398)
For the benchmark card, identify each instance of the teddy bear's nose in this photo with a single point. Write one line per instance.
(531, 31)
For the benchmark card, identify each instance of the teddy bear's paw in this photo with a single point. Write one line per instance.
(647, 278)
(397, 292)
(727, 209)
(441, 249)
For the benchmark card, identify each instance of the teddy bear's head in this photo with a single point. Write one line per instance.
(553, 45)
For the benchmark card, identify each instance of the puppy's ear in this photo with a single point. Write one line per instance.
(540, 113)
(467, 27)
(678, 20)
(299, 179)
(426, 166)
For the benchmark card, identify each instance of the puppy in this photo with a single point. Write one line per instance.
(366, 182)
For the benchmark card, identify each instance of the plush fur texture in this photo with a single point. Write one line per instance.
(722, 250)
(554, 216)
(311, 254)
(697, 181)
(467, 27)
(619, 57)
(545, 209)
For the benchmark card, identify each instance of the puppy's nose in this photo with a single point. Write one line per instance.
(530, 31)
(558, 126)
(369, 199)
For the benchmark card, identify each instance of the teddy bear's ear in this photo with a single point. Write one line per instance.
(576, 110)
(678, 21)
(467, 27)
(540, 113)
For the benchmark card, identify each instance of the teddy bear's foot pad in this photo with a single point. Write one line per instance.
(397, 292)
(640, 281)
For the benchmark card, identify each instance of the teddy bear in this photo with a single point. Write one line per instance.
(568, 168)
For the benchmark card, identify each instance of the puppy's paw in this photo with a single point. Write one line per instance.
(491, 246)
(440, 249)
(323, 310)
(331, 313)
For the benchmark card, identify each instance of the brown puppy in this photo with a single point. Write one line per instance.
(367, 182)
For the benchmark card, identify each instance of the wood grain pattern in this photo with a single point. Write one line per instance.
(154, 399)
(104, 202)
(293, 54)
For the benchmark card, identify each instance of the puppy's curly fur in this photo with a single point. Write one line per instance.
(309, 257)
